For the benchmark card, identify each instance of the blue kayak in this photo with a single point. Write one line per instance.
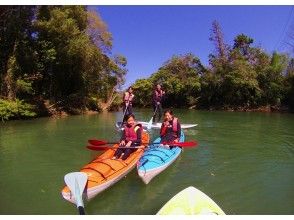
(156, 159)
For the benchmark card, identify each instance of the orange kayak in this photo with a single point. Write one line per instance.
(103, 171)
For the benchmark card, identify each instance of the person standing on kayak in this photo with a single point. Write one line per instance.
(131, 137)
(170, 131)
(128, 99)
(158, 93)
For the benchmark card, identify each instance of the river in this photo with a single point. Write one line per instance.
(244, 162)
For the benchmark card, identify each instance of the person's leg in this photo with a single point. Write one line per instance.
(154, 108)
(130, 109)
(124, 108)
(159, 112)
(118, 152)
(128, 152)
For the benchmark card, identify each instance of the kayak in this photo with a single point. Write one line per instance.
(190, 201)
(156, 125)
(156, 159)
(104, 171)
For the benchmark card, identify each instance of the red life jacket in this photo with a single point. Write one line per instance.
(175, 128)
(130, 132)
(128, 97)
(158, 94)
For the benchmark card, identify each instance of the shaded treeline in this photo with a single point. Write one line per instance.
(239, 77)
(58, 59)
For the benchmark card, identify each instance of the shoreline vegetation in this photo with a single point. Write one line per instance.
(58, 61)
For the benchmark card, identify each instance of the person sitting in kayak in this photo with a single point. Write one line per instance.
(157, 96)
(128, 99)
(131, 137)
(170, 131)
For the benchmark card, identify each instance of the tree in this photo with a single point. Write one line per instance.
(15, 47)
(242, 43)
(179, 77)
(217, 38)
(289, 85)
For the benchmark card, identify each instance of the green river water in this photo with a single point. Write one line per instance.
(244, 162)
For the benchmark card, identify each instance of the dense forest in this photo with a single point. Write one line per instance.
(58, 59)
(239, 77)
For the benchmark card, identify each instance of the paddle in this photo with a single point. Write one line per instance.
(124, 116)
(92, 147)
(181, 144)
(151, 120)
(76, 182)
(99, 147)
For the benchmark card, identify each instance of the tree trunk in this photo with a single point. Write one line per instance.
(110, 99)
(8, 83)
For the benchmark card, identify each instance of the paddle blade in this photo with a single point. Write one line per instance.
(97, 142)
(149, 124)
(188, 144)
(76, 182)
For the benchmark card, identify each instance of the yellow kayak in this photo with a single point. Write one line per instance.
(190, 201)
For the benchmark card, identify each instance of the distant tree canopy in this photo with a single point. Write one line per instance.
(238, 77)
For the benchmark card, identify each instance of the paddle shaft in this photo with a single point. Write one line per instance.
(81, 210)
(109, 147)
(101, 142)
(127, 106)
(180, 144)
(155, 110)
(151, 120)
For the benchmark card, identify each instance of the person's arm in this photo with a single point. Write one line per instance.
(163, 129)
(178, 131)
(124, 97)
(126, 101)
(162, 95)
(154, 98)
(139, 137)
(123, 136)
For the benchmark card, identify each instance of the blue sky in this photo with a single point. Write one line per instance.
(150, 35)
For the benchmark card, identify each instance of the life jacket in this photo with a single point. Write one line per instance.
(128, 97)
(130, 132)
(175, 124)
(174, 128)
(158, 94)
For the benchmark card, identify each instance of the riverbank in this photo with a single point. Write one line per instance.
(265, 109)
(15, 110)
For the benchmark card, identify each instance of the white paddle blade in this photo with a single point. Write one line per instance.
(76, 182)
(149, 124)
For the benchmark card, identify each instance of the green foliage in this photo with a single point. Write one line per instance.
(143, 91)
(61, 54)
(24, 87)
(289, 85)
(271, 80)
(242, 43)
(180, 78)
(15, 109)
